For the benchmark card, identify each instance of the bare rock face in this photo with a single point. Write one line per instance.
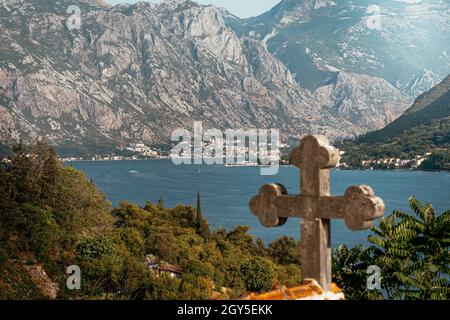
(42, 281)
(137, 72)
(386, 39)
(206, 26)
(426, 80)
(265, 67)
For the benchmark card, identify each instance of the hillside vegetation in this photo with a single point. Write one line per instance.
(52, 217)
(424, 128)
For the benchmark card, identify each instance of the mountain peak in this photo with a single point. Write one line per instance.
(427, 98)
(434, 105)
(315, 4)
(423, 82)
(176, 2)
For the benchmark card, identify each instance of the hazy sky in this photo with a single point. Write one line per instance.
(241, 8)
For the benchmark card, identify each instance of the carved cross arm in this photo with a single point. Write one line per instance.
(358, 207)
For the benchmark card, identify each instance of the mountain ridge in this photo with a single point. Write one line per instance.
(432, 105)
(137, 72)
(393, 40)
(422, 132)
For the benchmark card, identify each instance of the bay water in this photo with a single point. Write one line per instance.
(226, 191)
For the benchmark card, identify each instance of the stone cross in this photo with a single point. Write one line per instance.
(358, 207)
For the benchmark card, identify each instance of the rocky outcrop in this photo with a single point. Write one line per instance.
(384, 40)
(206, 26)
(265, 67)
(422, 83)
(40, 278)
(370, 103)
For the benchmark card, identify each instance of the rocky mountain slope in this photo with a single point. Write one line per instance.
(136, 72)
(404, 42)
(422, 129)
(432, 106)
(366, 101)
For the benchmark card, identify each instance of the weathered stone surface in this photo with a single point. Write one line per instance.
(266, 205)
(358, 207)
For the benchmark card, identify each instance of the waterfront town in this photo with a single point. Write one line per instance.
(140, 151)
(389, 163)
(134, 151)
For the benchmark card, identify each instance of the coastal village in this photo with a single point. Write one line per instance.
(396, 163)
(140, 151)
(389, 163)
(137, 151)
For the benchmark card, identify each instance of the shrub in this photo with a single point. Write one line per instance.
(258, 274)
(285, 250)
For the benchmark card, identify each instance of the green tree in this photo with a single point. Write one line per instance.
(199, 206)
(412, 252)
(78, 206)
(38, 232)
(350, 271)
(258, 274)
(285, 250)
(260, 249)
(49, 177)
(288, 275)
(133, 240)
(164, 244)
(240, 238)
(22, 188)
(92, 249)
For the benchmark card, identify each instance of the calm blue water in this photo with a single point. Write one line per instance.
(226, 191)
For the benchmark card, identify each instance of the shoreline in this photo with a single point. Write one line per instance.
(254, 166)
(387, 169)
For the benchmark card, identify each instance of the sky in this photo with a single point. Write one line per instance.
(240, 8)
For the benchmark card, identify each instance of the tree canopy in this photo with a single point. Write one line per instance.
(54, 216)
(412, 252)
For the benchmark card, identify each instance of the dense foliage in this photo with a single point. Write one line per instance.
(51, 215)
(46, 209)
(437, 161)
(258, 274)
(431, 137)
(5, 150)
(412, 252)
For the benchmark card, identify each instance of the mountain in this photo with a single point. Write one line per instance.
(404, 42)
(422, 83)
(433, 105)
(423, 128)
(137, 72)
(366, 101)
